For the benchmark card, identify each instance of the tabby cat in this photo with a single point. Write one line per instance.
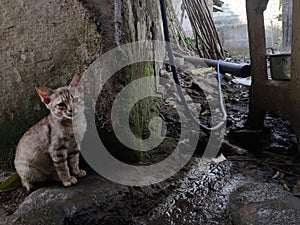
(50, 149)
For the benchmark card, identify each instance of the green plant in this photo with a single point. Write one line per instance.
(279, 42)
(190, 41)
(232, 52)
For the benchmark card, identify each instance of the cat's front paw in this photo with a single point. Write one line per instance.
(80, 173)
(27, 185)
(70, 181)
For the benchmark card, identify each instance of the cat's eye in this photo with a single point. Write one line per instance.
(74, 100)
(62, 104)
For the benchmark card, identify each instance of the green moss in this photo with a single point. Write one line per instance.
(148, 69)
(146, 109)
(140, 113)
(136, 120)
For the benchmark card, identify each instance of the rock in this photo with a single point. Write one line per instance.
(263, 203)
(200, 71)
(84, 203)
(3, 213)
(93, 200)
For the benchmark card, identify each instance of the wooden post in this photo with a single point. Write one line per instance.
(295, 72)
(272, 95)
(257, 44)
(287, 7)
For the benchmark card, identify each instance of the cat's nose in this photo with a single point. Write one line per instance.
(70, 114)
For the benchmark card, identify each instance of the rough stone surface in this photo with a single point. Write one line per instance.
(92, 201)
(180, 199)
(201, 193)
(41, 43)
(263, 203)
(123, 22)
(45, 43)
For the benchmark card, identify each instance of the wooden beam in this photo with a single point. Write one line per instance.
(257, 40)
(295, 65)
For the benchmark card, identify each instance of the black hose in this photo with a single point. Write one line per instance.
(204, 128)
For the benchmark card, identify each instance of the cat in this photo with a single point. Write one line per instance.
(50, 149)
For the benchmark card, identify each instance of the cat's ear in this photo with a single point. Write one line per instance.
(76, 80)
(44, 94)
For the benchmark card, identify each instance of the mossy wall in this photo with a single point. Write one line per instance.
(135, 20)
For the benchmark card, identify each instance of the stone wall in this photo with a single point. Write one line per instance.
(41, 43)
(46, 42)
(127, 21)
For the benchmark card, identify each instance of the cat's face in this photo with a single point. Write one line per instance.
(65, 102)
